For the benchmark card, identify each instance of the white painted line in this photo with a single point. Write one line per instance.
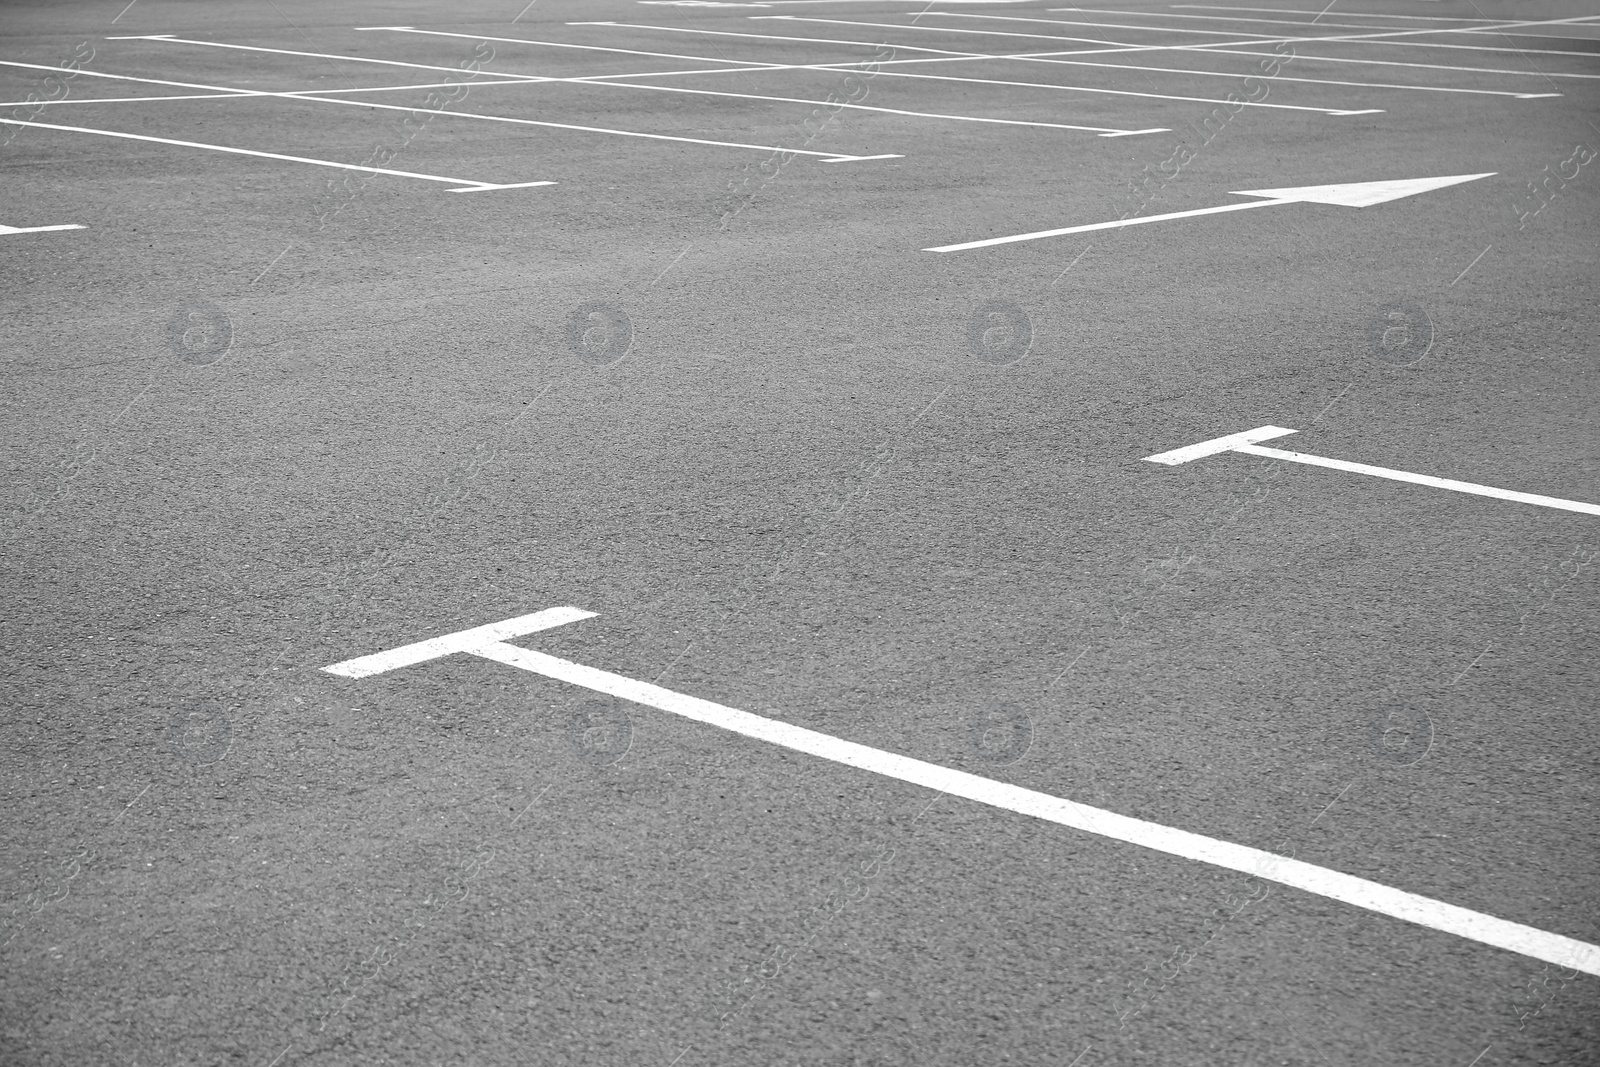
(39, 229)
(1387, 36)
(1335, 885)
(477, 186)
(560, 44)
(1137, 221)
(460, 641)
(1103, 131)
(217, 91)
(1281, 22)
(1348, 194)
(1226, 48)
(955, 56)
(1424, 479)
(291, 95)
(1218, 444)
(490, 188)
(611, 80)
(264, 155)
(1301, 11)
(1362, 194)
(1370, 38)
(167, 38)
(1280, 77)
(1304, 57)
(1246, 442)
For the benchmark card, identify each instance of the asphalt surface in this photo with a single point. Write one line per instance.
(264, 415)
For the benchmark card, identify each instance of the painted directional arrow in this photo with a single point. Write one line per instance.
(1353, 194)
(38, 229)
(1247, 442)
(492, 642)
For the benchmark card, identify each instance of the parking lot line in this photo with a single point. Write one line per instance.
(1246, 442)
(968, 56)
(468, 182)
(1301, 11)
(5, 230)
(317, 96)
(1322, 881)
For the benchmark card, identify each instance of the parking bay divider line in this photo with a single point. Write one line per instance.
(467, 184)
(1247, 442)
(490, 642)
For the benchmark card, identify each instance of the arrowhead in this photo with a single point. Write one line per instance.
(1361, 194)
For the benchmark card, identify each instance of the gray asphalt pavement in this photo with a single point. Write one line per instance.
(323, 375)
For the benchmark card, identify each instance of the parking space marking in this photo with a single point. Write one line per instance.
(1383, 36)
(167, 38)
(1322, 881)
(1246, 442)
(1387, 37)
(1280, 77)
(612, 80)
(1348, 14)
(969, 56)
(317, 96)
(468, 183)
(1308, 57)
(4, 230)
(1104, 131)
(460, 641)
(1350, 194)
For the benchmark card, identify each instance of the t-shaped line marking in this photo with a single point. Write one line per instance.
(487, 642)
(1229, 443)
(1246, 442)
(462, 641)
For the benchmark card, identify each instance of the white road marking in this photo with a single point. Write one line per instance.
(219, 91)
(1104, 131)
(1350, 194)
(460, 641)
(316, 97)
(1348, 37)
(611, 80)
(484, 187)
(1424, 479)
(1386, 36)
(1335, 885)
(167, 38)
(1303, 57)
(1280, 77)
(1011, 33)
(1350, 14)
(470, 184)
(1218, 444)
(40, 229)
(883, 72)
(1245, 442)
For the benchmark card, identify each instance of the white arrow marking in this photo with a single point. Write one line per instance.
(38, 229)
(1361, 194)
(1352, 194)
(1336, 885)
(1246, 442)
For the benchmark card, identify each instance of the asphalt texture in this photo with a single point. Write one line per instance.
(264, 415)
